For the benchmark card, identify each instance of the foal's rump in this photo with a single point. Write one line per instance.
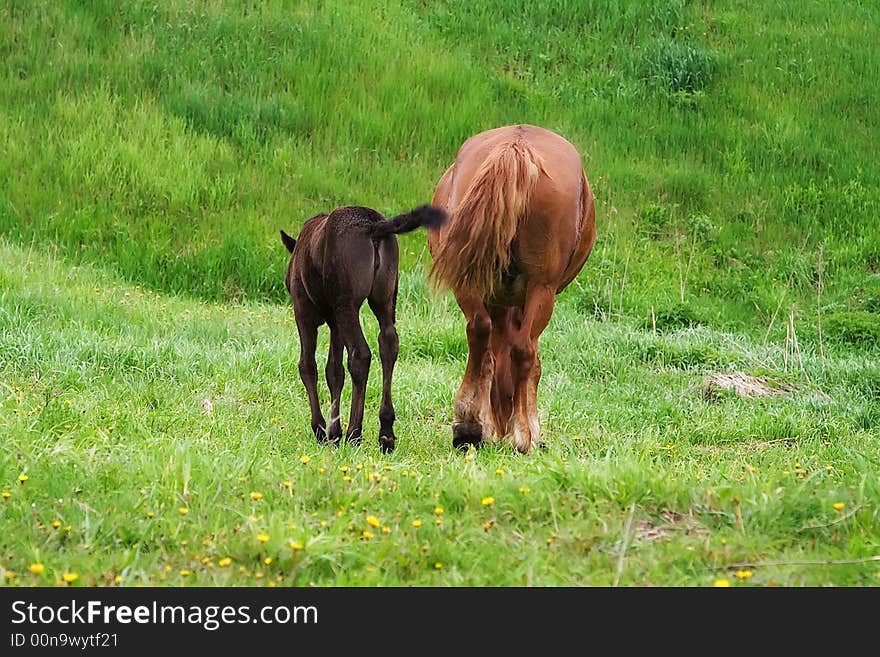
(361, 252)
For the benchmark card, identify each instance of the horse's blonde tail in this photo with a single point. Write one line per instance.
(475, 247)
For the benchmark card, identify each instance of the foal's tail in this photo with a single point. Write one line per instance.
(425, 215)
(475, 250)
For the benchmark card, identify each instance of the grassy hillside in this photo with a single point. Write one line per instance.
(149, 153)
(731, 147)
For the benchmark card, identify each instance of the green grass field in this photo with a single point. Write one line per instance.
(154, 427)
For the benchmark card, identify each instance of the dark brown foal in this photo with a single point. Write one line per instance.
(339, 260)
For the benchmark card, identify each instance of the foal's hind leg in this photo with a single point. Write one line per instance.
(307, 326)
(388, 348)
(335, 381)
(348, 322)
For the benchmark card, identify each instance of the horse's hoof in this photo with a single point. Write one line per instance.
(386, 444)
(334, 434)
(320, 434)
(465, 434)
(354, 439)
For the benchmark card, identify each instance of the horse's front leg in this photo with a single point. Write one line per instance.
(526, 366)
(473, 409)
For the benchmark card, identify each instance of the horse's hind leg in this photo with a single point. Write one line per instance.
(335, 381)
(348, 322)
(388, 348)
(307, 326)
(473, 409)
(526, 365)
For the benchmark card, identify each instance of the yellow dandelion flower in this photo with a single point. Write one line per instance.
(722, 583)
(6, 495)
(183, 510)
(468, 457)
(23, 478)
(70, 578)
(9, 575)
(225, 561)
(346, 478)
(118, 579)
(499, 471)
(321, 470)
(386, 529)
(838, 506)
(487, 501)
(267, 560)
(438, 510)
(256, 496)
(150, 514)
(438, 521)
(304, 458)
(525, 489)
(367, 534)
(68, 528)
(343, 469)
(438, 565)
(286, 484)
(37, 568)
(184, 573)
(296, 546)
(271, 584)
(262, 538)
(373, 521)
(743, 574)
(56, 523)
(416, 523)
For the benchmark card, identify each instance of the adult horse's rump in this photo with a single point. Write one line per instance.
(522, 224)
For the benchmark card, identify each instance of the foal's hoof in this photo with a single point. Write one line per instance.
(466, 433)
(320, 434)
(386, 444)
(334, 434)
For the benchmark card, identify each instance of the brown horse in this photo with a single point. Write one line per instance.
(522, 223)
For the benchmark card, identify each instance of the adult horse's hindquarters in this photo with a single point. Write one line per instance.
(522, 223)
